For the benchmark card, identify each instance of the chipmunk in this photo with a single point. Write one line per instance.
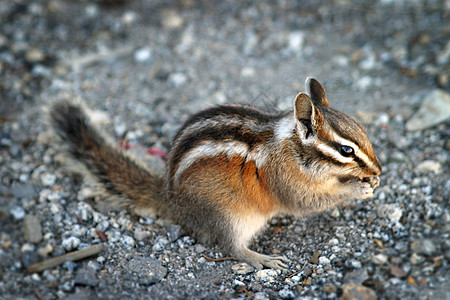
(232, 168)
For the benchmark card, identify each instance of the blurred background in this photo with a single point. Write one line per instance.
(369, 54)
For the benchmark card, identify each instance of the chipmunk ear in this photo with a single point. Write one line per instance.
(308, 117)
(316, 91)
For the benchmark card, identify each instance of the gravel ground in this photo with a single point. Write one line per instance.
(144, 66)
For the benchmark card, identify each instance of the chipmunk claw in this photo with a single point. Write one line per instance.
(259, 261)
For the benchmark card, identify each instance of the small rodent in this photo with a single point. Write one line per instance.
(232, 168)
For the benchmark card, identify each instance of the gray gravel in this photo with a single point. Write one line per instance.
(144, 66)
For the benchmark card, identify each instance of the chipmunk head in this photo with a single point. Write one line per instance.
(340, 145)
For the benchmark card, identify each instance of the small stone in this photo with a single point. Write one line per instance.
(29, 258)
(242, 268)
(392, 212)
(315, 258)
(140, 234)
(267, 275)
(18, 213)
(32, 229)
(429, 166)
(364, 82)
(356, 276)
(261, 296)
(129, 17)
(48, 179)
(45, 251)
(177, 79)
(425, 246)
(128, 242)
(160, 244)
(324, 261)
(86, 276)
(71, 243)
(442, 80)
(435, 109)
(174, 232)
(238, 283)
(143, 54)
(397, 271)
(171, 19)
(296, 40)
(34, 55)
(144, 270)
(379, 259)
(329, 288)
(22, 191)
(198, 248)
(286, 294)
(416, 259)
(248, 72)
(307, 271)
(352, 291)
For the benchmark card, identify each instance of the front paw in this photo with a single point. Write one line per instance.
(362, 189)
(374, 181)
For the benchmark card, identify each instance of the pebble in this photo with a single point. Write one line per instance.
(144, 270)
(329, 288)
(397, 271)
(45, 251)
(177, 79)
(32, 229)
(128, 242)
(429, 166)
(357, 276)
(435, 109)
(22, 191)
(416, 259)
(391, 212)
(160, 244)
(174, 232)
(286, 294)
(71, 243)
(261, 296)
(48, 179)
(172, 20)
(29, 257)
(34, 55)
(324, 260)
(379, 259)
(143, 54)
(352, 291)
(86, 276)
(17, 213)
(296, 40)
(199, 248)
(425, 246)
(140, 234)
(267, 275)
(242, 268)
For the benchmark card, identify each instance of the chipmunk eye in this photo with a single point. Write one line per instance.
(346, 151)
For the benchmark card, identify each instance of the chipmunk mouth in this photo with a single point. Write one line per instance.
(348, 178)
(364, 179)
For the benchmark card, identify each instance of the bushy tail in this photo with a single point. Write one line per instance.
(119, 174)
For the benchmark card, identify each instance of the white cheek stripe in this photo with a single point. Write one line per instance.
(361, 155)
(330, 151)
